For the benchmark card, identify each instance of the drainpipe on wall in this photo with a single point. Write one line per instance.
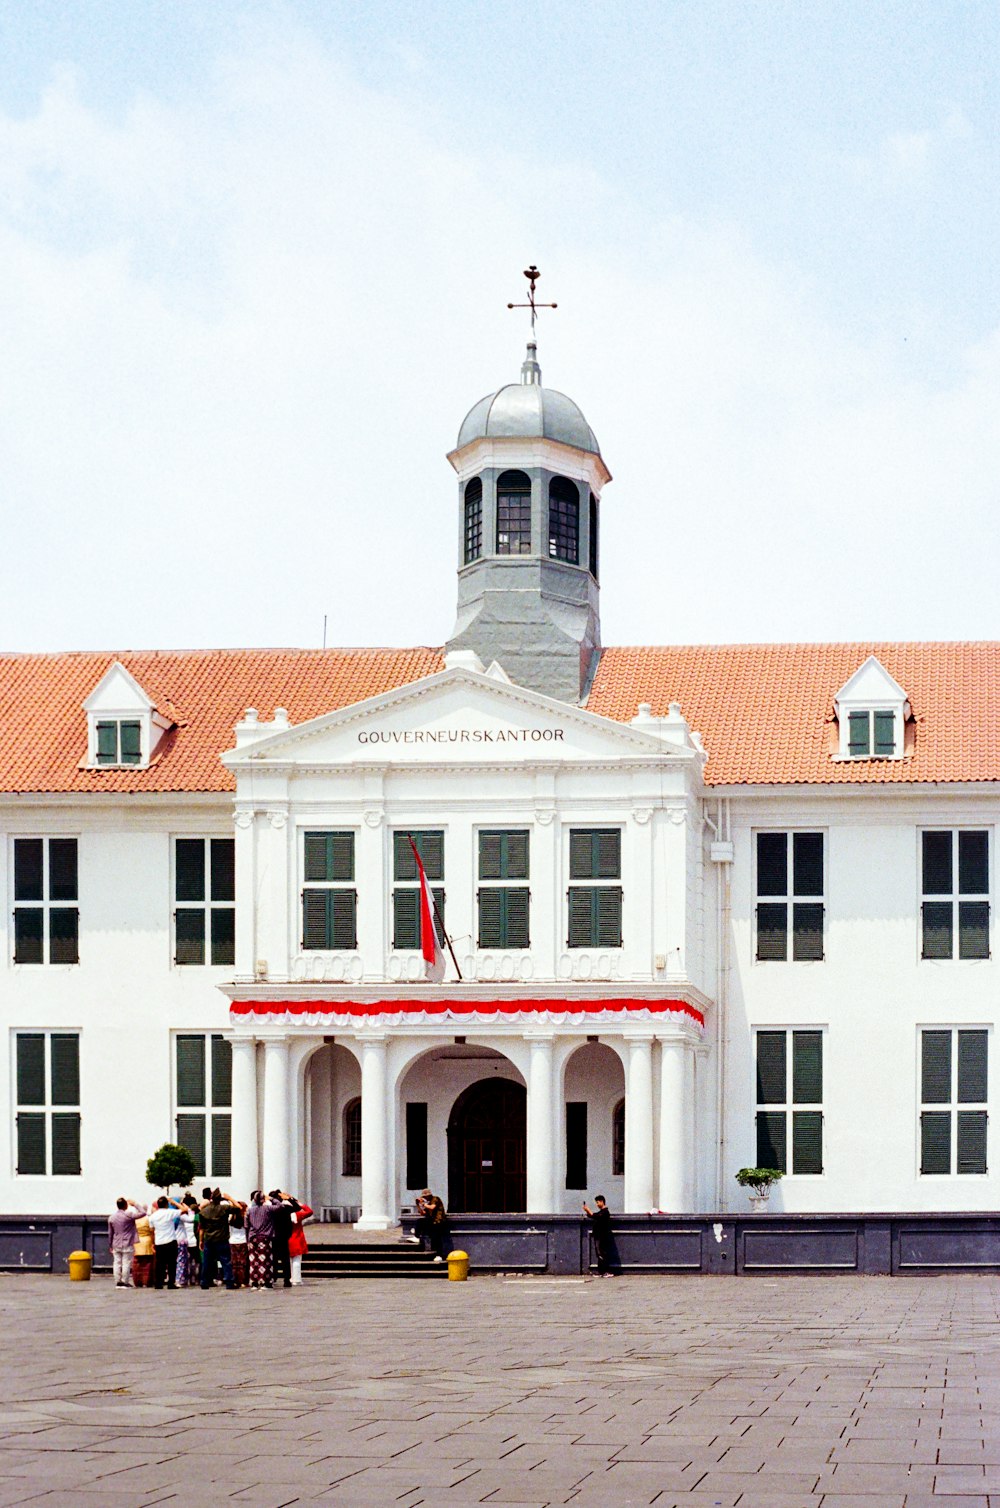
(721, 852)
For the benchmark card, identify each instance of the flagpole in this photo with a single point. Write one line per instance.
(437, 915)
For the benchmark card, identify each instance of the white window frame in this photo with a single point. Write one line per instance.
(207, 1110)
(957, 895)
(328, 825)
(207, 906)
(790, 1104)
(953, 1105)
(48, 1109)
(789, 899)
(46, 904)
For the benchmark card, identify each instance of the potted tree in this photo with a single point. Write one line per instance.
(170, 1164)
(758, 1181)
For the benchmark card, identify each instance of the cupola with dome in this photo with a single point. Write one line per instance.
(530, 475)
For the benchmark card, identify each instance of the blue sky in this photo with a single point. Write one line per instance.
(254, 261)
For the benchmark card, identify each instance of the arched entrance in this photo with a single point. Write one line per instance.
(487, 1143)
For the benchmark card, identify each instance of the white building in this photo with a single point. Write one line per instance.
(711, 906)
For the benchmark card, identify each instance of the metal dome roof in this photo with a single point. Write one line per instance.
(525, 409)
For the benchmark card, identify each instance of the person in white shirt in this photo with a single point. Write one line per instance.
(164, 1222)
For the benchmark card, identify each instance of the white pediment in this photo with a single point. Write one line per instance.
(119, 692)
(456, 716)
(870, 685)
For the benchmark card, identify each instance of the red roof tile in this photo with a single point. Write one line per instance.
(765, 711)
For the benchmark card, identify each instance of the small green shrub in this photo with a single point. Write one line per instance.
(170, 1164)
(758, 1179)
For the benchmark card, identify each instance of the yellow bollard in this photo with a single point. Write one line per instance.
(79, 1266)
(458, 1266)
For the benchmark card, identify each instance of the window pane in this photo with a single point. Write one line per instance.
(64, 931)
(30, 1068)
(352, 1140)
(973, 929)
(772, 1069)
(618, 1139)
(64, 1048)
(191, 1070)
(107, 743)
(937, 917)
(771, 1140)
(576, 1144)
(858, 733)
(31, 1143)
(406, 923)
(772, 932)
(772, 863)
(807, 932)
(935, 1141)
(473, 525)
(807, 1068)
(28, 925)
(191, 1134)
(28, 869)
(223, 869)
(807, 1141)
(416, 1145)
(223, 935)
(66, 1143)
(564, 521)
(807, 863)
(972, 1060)
(937, 863)
(190, 869)
(62, 869)
(131, 743)
(222, 1146)
(222, 1071)
(513, 513)
(935, 1068)
(885, 733)
(593, 537)
(973, 864)
(972, 1141)
(190, 936)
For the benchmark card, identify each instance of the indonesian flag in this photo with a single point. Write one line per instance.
(429, 945)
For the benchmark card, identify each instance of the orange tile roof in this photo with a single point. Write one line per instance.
(765, 711)
(43, 728)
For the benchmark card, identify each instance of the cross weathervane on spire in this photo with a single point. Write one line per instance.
(532, 274)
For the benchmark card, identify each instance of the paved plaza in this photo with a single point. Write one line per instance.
(838, 1392)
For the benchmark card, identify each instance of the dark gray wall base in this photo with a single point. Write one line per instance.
(42, 1243)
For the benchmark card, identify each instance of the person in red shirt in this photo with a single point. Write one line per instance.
(297, 1246)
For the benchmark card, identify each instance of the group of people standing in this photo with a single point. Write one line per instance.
(189, 1243)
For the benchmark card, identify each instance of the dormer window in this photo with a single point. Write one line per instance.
(119, 742)
(872, 709)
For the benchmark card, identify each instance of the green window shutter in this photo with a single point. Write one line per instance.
(972, 1141)
(189, 869)
(935, 1068)
(581, 917)
(189, 935)
(223, 869)
(316, 856)
(64, 1050)
(772, 1071)
(936, 919)
(608, 854)
(885, 733)
(191, 1134)
(430, 847)
(341, 860)
(131, 743)
(576, 1144)
(437, 896)
(314, 920)
(807, 863)
(581, 854)
(936, 866)
(518, 905)
(772, 1140)
(490, 918)
(29, 933)
(404, 866)
(107, 743)
(973, 929)
(223, 935)
(516, 867)
(772, 932)
(608, 906)
(222, 1070)
(343, 927)
(807, 1141)
(858, 734)
(191, 1070)
(30, 1068)
(63, 882)
(28, 869)
(807, 931)
(64, 934)
(772, 863)
(973, 863)
(416, 1144)
(807, 1068)
(30, 1142)
(972, 1066)
(935, 1141)
(66, 1143)
(406, 923)
(222, 1146)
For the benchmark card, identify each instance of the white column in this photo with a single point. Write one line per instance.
(639, 1126)
(246, 1167)
(276, 1141)
(675, 1116)
(375, 1213)
(540, 1193)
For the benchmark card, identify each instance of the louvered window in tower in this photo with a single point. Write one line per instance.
(329, 897)
(473, 519)
(513, 513)
(564, 521)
